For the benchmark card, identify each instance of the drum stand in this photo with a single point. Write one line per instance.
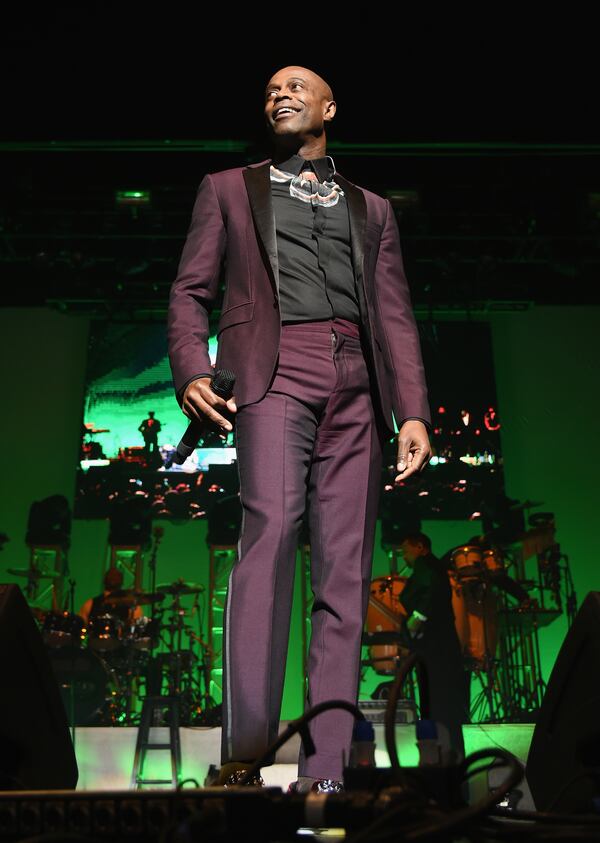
(204, 660)
(126, 680)
(73, 650)
(487, 699)
(179, 662)
(490, 704)
(520, 666)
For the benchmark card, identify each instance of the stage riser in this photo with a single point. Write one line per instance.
(105, 755)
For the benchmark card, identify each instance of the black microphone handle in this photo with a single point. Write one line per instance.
(222, 385)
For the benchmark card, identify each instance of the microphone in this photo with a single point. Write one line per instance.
(222, 385)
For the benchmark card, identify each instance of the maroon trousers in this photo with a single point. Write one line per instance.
(314, 438)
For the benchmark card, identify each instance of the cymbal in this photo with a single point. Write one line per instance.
(129, 597)
(33, 573)
(180, 587)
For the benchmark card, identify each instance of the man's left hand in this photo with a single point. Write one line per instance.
(414, 450)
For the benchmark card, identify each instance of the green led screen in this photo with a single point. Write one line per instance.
(129, 378)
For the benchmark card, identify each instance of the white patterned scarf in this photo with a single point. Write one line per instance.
(308, 188)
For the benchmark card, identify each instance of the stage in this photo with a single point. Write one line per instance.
(105, 754)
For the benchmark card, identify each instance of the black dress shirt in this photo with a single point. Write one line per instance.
(316, 274)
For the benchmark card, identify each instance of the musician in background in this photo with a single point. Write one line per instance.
(430, 632)
(150, 429)
(94, 606)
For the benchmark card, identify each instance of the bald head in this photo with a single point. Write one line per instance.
(298, 105)
(309, 75)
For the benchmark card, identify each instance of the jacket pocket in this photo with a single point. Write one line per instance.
(236, 314)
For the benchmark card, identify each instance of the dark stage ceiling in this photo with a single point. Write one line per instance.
(484, 138)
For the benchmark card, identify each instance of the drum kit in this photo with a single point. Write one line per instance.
(106, 665)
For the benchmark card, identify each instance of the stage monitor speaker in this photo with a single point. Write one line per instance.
(36, 751)
(563, 767)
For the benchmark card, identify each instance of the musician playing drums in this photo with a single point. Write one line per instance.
(430, 632)
(94, 606)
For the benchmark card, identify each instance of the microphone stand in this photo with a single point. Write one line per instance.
(157, 533)
(72, 684)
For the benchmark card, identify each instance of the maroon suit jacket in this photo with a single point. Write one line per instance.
(233, 224)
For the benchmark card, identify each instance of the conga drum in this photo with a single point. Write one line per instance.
(467, 562)
(493, 561)
(385, 613)
(474, 604)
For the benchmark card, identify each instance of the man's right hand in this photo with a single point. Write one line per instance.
(414, 626)
(201, 403)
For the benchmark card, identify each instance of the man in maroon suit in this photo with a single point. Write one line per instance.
(318, 328)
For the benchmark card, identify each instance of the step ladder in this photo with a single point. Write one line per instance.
(152, 711)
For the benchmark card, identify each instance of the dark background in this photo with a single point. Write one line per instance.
(491, 123)
(134, 71)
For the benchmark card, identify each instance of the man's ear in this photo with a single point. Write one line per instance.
(330, 109)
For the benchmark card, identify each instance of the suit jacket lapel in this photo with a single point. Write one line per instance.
(258, 185)
(357, 211)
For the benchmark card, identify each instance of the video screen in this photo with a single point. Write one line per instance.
(132, 423)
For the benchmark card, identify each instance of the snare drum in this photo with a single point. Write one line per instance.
(104, 632)
(63, 629)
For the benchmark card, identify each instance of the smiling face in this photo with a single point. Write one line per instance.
(298, 104)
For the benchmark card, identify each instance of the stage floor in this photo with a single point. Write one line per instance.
(105, 754)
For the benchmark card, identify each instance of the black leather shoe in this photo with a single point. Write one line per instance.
(320, 786)
(327, 786)
(230, 774)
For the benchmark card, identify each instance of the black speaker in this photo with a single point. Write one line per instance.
(36, 752)
(563, 767)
